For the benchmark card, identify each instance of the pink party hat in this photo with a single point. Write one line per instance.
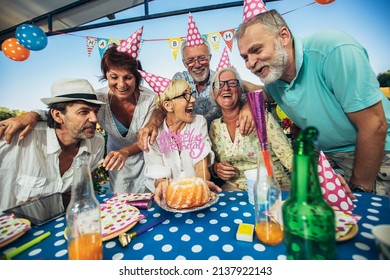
(157, 83)
(331, 188)
(224, 62)
(193, 37)
(132, 45)
(253, 8)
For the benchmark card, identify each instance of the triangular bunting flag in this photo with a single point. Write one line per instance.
(214, 39)
(91, 42)
(227, 36)
(117, 41)
(103, 45)
(174, 44)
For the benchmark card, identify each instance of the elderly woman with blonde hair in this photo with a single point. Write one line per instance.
(182, 147)
(235, 153)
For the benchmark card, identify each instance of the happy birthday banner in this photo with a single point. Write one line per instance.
(214, 38)
(19, 50)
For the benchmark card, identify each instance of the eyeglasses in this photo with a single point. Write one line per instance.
(203, 59)
(230, 83)
(185, 95)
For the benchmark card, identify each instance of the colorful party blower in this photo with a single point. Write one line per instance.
(256, 104)
(331, 188)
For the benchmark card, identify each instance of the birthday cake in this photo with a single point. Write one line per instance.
(187, 193)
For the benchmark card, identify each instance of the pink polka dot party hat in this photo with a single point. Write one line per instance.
(253, 8)
(132, 45)
(224, 62)
(331, 188)
(157, 83)
(193, 36)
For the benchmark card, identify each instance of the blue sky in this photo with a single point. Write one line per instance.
(24, 83)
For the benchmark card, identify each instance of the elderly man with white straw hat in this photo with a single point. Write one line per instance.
(40, 164)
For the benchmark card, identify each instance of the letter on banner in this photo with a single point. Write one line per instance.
(174, 44)
(228, 35)
(91, 42)
(103, 45)
(214, 39)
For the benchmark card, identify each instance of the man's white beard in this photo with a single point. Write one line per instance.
(277, 66)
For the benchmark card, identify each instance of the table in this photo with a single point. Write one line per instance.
(206, 234)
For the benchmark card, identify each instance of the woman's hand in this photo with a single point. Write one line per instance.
(115, 160)
(23, 123)
(225, 170)
(213, 187)
(160, 191)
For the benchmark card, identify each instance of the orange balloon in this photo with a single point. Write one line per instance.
(15, 51)
(324, 2)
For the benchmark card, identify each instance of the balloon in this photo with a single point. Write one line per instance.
(31, 37)
(282, 115)
(324, 2)
(13, 50)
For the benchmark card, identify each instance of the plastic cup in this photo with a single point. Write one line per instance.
(250, 176)
(382, 240)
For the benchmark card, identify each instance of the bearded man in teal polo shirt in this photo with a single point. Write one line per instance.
(325, 81)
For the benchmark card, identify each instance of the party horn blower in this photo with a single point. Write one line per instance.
(25, 246)
(125, 238)
(256, 105)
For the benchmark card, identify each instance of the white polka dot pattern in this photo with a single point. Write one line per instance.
(331, 187)
(157, 83)
(193, 36)
(132, 45)
(208, 236)
(253, 8)
(224, 62)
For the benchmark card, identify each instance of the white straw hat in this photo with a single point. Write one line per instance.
(66, 90)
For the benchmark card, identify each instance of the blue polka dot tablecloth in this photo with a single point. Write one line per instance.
(207, 234)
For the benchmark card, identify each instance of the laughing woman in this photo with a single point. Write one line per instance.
(182, 147)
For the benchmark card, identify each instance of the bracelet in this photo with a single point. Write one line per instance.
(357, 188)
(212, 171)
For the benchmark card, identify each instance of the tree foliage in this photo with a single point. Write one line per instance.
(6, 113)
(384, 79)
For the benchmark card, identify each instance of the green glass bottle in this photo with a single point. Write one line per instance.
(309, 222)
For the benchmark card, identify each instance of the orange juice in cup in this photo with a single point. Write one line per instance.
(86, 247)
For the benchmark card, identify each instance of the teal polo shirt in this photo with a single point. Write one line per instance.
(334, 77)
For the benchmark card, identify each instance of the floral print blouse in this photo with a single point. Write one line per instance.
(243, 152)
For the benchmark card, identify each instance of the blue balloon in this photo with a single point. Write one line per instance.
(31, 37)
